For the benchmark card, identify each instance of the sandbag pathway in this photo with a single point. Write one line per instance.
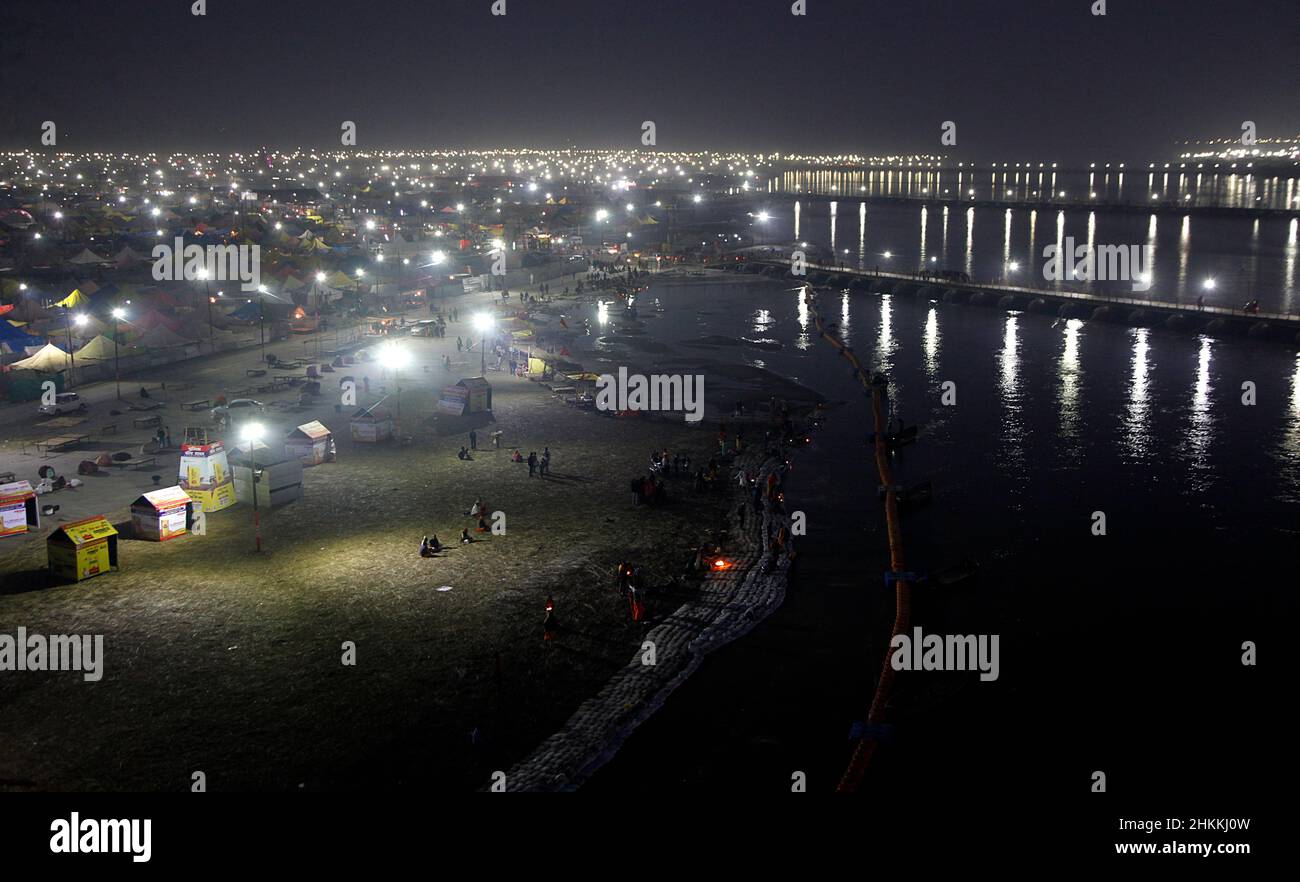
(730, 603)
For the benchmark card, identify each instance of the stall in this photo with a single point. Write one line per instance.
(162, 514)
(311, 443)
(470, 395)
(277, 482)
(205, 475)
(372, 424)
(83, 549)
(19, 510)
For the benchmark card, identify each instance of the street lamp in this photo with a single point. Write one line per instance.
(483, 324)
(252, 433)
(80, 320)
(261, 318)
(394, 357)
(212, 343)
(118, 314)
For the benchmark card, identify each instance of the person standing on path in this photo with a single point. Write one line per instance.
(532, 462)
(473, 440)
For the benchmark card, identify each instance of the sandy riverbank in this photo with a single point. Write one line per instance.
(227, 661)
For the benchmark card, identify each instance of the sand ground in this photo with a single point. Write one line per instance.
(227, 661)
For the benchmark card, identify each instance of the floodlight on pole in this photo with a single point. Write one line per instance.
(252, 433)
(118, 314)
(483, 323)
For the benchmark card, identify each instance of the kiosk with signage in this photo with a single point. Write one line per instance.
(162, 514)
(83, 549)
(205, 475)
(19, 510)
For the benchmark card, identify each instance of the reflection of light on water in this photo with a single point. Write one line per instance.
(932, 342)
(762, 320)
(602, 313)
(1288, 273)
(885, 345)
(759, 363)
(1198, 436)
(924, 216)
(862, 233)
(1136, 432)
(1013, 463)
(1009, 358)
(1069, 370)
(835, 206)
(1290, 452)
(802, 341)
(798, 213)
(845, 331)
(970, 239)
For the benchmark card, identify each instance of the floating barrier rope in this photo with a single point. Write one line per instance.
(898, 573)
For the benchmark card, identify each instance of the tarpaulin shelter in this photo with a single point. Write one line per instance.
(19, 510)
(82, 548)
(154, 318)
(162, 514)
(17, 340)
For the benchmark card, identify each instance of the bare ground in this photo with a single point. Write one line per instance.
(228, 662)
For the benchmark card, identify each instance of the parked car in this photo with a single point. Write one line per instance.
(64, 402)
(238, 407)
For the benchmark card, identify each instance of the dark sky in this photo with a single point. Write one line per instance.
(1023, 79)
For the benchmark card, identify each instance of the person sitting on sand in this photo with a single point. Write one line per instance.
(463, 454)
(434, 545)
(518, 457)
(465, 537)
(482, 526)
(425, 549)
(477, 508)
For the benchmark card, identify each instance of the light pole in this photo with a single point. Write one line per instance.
(252, 434)
(483, 323)
(261, 318)
(207, 295)
(393, 357)
(72, 368)
(118, 315)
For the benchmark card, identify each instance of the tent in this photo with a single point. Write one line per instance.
(75, 300)
(87, 257)
(153, 318)
(100, 350)
(15, 339)
(372, 424)
(161, 337)
(48, 360)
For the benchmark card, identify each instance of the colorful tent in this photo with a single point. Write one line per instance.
(87, 257)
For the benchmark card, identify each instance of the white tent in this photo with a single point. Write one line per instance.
(87, 257)
(48, 359)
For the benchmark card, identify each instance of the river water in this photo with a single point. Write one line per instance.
(1054, 421)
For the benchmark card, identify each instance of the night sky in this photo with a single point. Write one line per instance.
(1023, 79)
